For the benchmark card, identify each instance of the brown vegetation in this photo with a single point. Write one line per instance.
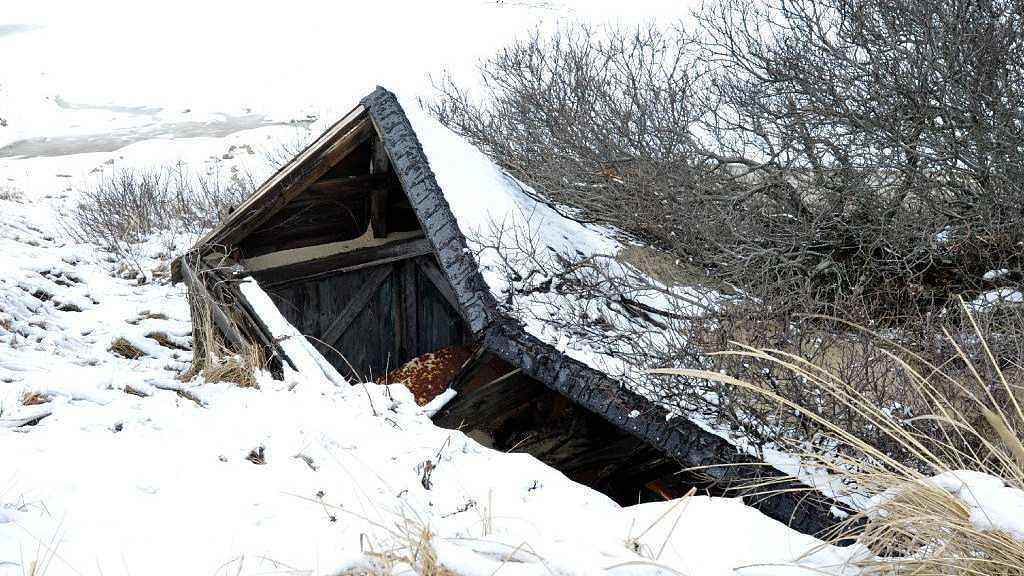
(125, 349)
(914, 525)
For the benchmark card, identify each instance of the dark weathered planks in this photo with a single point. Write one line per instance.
(430, 270)
(334, 187)
(410, 345)
(370, 345)
(439, 323)
(379, 196)
(357, 304)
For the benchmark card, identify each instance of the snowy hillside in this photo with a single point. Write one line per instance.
(113, 465)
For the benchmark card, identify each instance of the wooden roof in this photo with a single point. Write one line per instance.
(504, 336)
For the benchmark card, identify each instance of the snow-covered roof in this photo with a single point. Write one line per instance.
(461, 199)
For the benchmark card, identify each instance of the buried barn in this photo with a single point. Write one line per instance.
(361, 244)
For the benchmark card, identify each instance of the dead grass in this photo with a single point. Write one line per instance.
(125, 349)
(662, 266)
(239, 368)
(34, 398)
(164, 340)
(213, 359)
(147, 315)
(413, 552)
(913, 525)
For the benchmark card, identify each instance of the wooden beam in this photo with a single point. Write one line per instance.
(379, 212)
(379, 163)
(436, 277)
(343, 262)
(248, 328)
(355, 306)
(410, 309)
(220, 318)
(346, 185)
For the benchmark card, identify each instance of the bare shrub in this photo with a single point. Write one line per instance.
(617, 306)
(885, 144)
(11, 194)
(797, 162)
(598, 120)
(127, 207)
(862, 156)
(283, 150)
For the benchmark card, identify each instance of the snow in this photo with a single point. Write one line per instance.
(309, 363)
(995, 274)
(115, 465)
(126, 475)
(130, 470)
(990, 503)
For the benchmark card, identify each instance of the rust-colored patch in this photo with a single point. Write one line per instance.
(659, 488)
(429, 374)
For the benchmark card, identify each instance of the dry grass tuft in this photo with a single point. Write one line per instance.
(147, 315)
(164, 340)
(213, 359)
(913, 524)
(239, 368)
(662, 266)
(125, 349)
(413, 552)
(34, 398)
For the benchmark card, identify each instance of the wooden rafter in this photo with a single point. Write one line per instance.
(343, 262)
(294, 177)
(379, 163)
(436, 277)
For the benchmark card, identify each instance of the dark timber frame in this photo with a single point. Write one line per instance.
(528, 379)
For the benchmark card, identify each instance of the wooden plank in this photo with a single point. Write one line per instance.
(343, 262)
(346, 185)
(247, 327)
(220, 318)
(362, 296)
(436, 277)
(265, 336)
(379, 212)
(410, 310)
(308, 167)
(379, 197)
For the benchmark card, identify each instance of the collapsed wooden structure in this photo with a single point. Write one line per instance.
(357, 245)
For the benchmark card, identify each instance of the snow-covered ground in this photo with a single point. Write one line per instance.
(122, 473)
(111, 465)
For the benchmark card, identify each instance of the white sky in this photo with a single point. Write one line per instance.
(270, 56)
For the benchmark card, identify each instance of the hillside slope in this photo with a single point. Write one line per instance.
(113, 465)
